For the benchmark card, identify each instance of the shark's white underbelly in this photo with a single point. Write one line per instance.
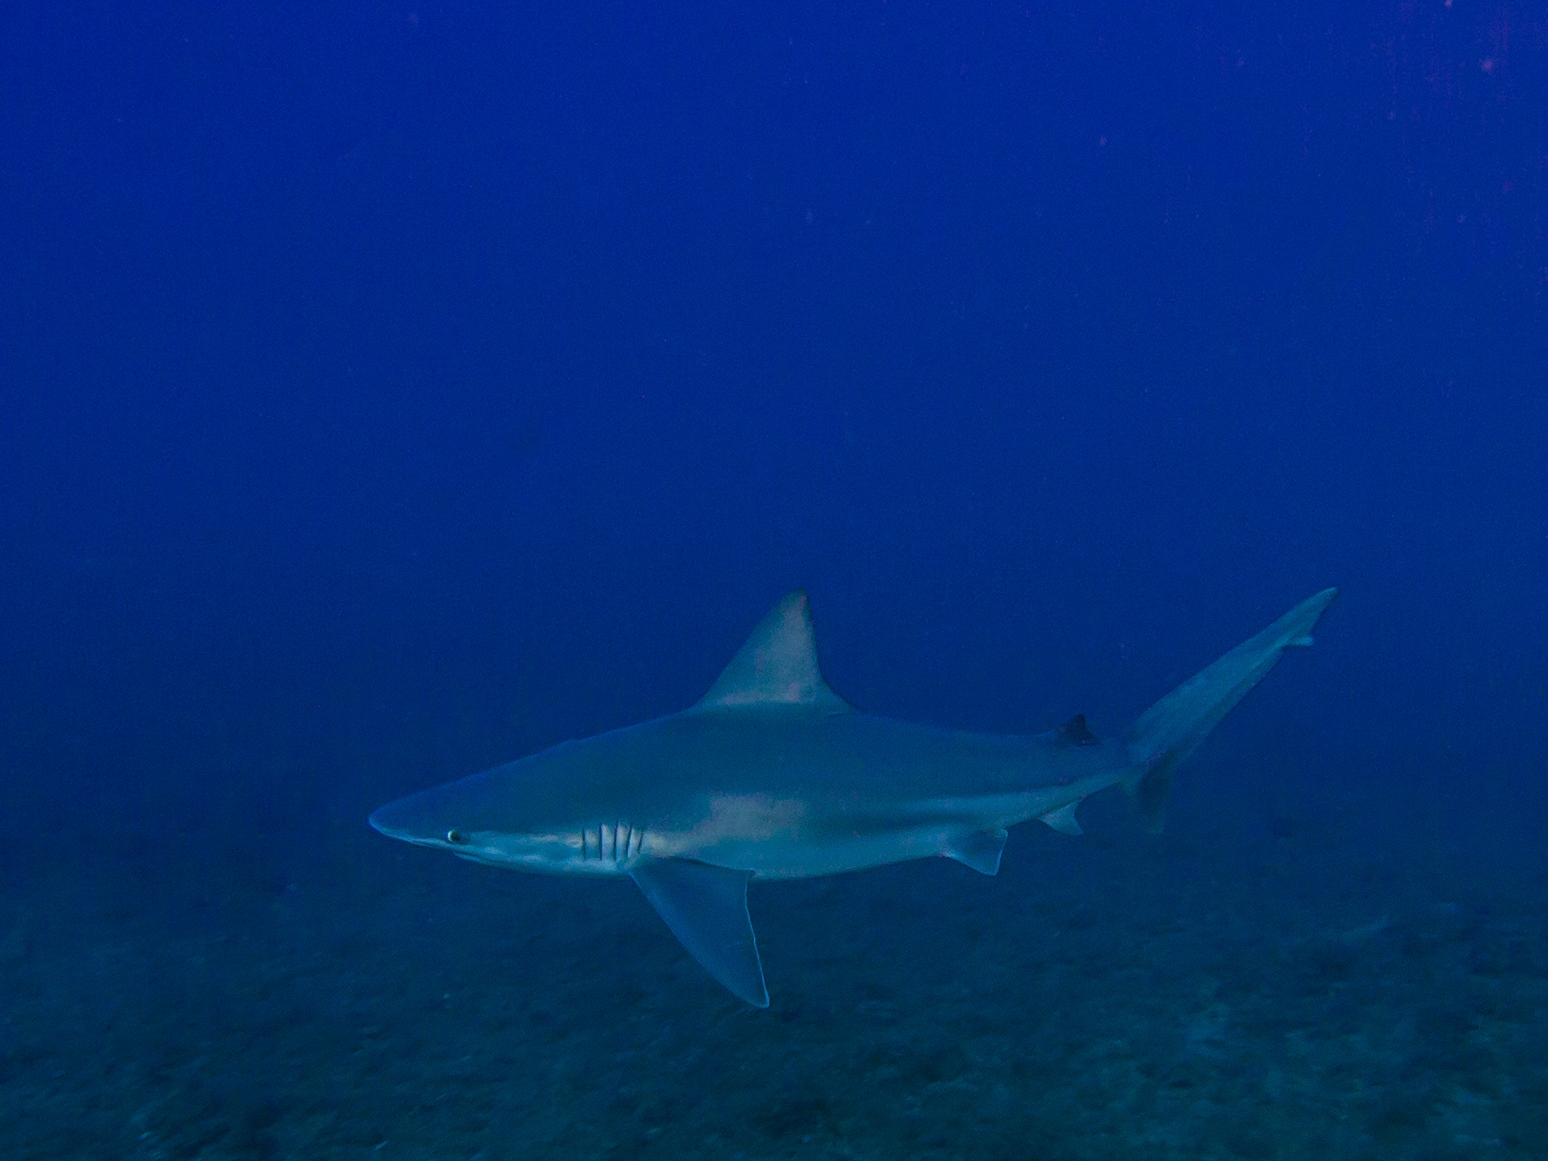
(792, 839)
(777, 836)
(799, 860)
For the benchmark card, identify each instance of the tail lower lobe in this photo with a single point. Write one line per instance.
(1165, 734)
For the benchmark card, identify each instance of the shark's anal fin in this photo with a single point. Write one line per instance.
(777, 665)
(979, 849)
(1063, 820)
(706, 908)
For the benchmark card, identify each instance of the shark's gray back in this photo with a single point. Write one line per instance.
(662, 773)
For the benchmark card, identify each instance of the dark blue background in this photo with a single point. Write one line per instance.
(389, 390)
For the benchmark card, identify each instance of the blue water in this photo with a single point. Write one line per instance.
(389, 390)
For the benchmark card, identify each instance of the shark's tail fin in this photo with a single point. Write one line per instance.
(1166, 733)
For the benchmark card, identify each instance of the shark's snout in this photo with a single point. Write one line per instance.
(455, 817)
(385, 820)
(427, 817)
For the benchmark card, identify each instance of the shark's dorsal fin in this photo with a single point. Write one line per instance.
(777, 665)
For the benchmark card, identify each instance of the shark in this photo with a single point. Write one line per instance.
(772, 775)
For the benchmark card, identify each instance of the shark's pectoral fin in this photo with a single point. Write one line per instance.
(706, 908)
(979, 849)
(1063, 820)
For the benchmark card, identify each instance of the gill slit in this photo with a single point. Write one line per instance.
(618, 842)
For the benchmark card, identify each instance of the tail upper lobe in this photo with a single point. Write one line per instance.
(1166, 733)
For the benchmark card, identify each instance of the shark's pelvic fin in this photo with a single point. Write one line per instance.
(1063, 820)
(777, 665)
(706, 908)
(979, 849)
(1170, 730)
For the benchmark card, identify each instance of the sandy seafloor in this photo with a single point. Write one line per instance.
(1303, 991)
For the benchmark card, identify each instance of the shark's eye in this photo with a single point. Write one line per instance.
(456, 836)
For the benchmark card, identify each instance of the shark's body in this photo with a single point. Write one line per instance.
(773, 775)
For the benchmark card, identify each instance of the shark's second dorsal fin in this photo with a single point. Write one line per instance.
(777, 665)
(1076, 732)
